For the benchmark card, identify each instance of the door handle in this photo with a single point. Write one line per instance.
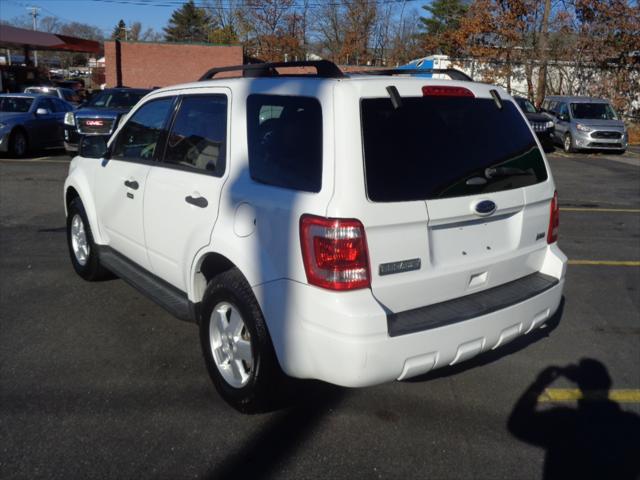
(132, 184)
(197, 201)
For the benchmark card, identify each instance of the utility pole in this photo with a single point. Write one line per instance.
(34, 14)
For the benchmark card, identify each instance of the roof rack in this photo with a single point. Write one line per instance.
(453, 73)
(324, 69)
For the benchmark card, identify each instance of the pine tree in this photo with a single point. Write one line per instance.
(443, 21)
(119, 31)
(444, 15)
(188, 24)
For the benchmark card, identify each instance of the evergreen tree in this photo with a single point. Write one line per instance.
(119, 31)
(444, 15)
(441, 24)
(188, 24)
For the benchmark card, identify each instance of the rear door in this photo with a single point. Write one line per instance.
(121, 180)
(183, 190)
(474, 165)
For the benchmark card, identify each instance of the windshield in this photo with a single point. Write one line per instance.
(438, 147)
(596, 111)
(41, 90)
(526, 106)
(15, 104)
(116, 99)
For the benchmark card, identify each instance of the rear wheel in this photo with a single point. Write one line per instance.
(18, 143)
(568, 144)
(236, 345)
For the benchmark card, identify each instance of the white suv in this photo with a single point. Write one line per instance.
(355, 229)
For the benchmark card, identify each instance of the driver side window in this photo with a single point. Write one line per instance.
(139, 137)
(564, 111)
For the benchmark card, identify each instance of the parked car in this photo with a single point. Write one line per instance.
(63, 93)
(540, 123)
(29, 121)
(586, 123)
(301, 222)
(100, 115)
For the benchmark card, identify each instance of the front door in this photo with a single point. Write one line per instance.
(183, 190)
(44, 127)
(121, 180)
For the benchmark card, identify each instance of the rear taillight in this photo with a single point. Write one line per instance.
(440, 91)
(334, 252)
(554, 220)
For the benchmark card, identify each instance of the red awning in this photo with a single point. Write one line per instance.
(14, 37)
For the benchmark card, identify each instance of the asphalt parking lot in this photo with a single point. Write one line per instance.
(96, 381)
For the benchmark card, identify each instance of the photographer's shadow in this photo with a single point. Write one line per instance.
(597, 439)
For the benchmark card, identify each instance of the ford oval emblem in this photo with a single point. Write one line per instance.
(485, 207)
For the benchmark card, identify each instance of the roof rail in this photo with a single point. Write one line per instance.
(324, 69)
(453, 73)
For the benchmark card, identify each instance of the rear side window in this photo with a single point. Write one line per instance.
(439, 147)
(199, 133)
(285, 141)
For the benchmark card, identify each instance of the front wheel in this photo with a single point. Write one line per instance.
(568, 144)
(236, 345)
(82, 249)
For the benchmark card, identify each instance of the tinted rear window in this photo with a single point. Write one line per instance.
(122, 99)
(438, 147)
(285, 141)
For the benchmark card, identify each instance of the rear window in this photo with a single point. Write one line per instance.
(116, 99)
(285, 141)
(439, 147)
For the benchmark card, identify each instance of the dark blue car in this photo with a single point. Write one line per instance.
(100, 115)
(30, 122)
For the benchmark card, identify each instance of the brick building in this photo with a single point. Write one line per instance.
(146, 65)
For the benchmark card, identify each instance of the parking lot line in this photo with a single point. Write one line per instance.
(611, 263)
(612, 210)
(620, 395)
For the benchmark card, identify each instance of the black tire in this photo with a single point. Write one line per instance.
(265, 379)
(567, 144)
(18, 143)
(619, 152)
(90, 269)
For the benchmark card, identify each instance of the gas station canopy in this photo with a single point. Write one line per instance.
(13, 37)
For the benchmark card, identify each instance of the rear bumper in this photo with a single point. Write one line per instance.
(343, 338)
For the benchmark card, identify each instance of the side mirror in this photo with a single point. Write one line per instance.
(93, 146)
(564, 118)
(42, 111)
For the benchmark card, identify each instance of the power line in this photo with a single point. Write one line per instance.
(245, 5)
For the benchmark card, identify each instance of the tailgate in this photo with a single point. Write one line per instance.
(477, 171)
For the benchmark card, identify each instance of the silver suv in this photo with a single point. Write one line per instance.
(586, 123)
